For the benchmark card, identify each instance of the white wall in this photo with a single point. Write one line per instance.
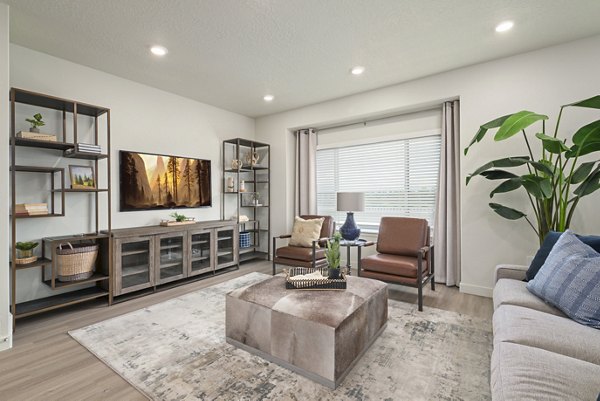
(5, 316)
(142, 119)
(539, 81)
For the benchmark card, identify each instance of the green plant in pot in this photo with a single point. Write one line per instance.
(332, 254)
(178, 217)
(25, 249)
(565, 170)
(36, 122)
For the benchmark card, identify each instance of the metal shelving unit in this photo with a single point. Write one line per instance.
(101, 281)
(257, 180)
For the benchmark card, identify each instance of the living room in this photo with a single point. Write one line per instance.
(290, 107)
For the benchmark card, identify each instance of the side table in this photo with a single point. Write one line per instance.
(359, 243)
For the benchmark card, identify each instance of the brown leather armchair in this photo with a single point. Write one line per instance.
(304, 257)
(404, 256)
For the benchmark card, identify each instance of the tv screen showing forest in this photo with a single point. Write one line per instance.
(150, 181)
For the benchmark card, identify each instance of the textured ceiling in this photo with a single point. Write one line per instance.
(229, 53)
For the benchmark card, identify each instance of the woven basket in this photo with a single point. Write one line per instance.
(77, 262)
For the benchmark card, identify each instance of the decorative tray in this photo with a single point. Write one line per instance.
(305, 278)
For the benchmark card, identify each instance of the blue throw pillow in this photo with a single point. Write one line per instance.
(570, 280)
(549, 241)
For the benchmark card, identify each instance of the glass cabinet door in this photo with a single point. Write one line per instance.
(227, 247)
(200, 256)
(134, 267)
(171, 257)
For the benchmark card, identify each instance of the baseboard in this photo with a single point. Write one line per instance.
(6, 342)
(476, 290)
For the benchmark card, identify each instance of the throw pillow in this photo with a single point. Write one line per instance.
(306, 231)
(549, 241)
(570, 280)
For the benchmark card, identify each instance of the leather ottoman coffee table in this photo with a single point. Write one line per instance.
(318, 334)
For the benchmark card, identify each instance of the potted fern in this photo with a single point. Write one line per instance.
(332, 254)
(554, 181)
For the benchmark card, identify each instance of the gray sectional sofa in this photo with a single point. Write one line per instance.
(539, 353)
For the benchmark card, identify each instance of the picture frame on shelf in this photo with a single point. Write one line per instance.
(82, 177)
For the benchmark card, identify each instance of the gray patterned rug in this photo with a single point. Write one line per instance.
(176, 350)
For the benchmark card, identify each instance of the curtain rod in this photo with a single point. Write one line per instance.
(365, 122)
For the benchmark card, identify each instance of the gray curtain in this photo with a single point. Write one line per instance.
(306, 172)
(447, 222)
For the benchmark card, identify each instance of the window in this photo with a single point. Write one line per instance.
(399, 178)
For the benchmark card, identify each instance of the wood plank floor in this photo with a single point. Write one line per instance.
(47, 364)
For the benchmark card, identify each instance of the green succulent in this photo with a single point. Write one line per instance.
(178, 217)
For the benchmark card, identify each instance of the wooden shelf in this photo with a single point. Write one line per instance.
(80, 190)
(133, 270)
(56, 103)
(199, 258)
(136, 252)
(224, 238)
(35, 216)
(62, 284)
(37, 169)
(171, 263)
(29, 308)
(247, 249)
(85, 156)
(34, 143)
(37, 263)
(76, 237)
(252, 255)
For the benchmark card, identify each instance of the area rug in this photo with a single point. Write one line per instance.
(176, 350)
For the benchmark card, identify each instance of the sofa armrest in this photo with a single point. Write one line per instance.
(515, 272)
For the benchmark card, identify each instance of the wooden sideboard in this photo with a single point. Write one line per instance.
(146, 257)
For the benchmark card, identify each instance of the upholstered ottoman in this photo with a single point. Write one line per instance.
(319, 334)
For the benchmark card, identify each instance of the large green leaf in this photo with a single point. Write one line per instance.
(507, 186)
(498, 174)
(551, 144)
(586, 149)
(516, 123)
(507, 212)
(506, 162)
(582, 172)
(484, 129)
(592, 103)
(587, 133)
(539, 187)
(590, 185)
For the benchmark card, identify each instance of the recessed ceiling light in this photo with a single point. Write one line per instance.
(268, 98)
(359, 69)
(504, 26)
(159, 50)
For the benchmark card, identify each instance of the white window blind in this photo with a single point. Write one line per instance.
(399, 178)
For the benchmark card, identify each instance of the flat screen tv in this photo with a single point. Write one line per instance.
(151, 181)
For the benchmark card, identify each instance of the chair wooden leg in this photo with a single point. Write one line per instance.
(420, 288)
(274, 267)
(420, 280)
(432, 283)
(432, 268)
(274, 251)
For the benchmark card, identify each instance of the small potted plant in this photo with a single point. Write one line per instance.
(332, 253)
(36, 122)
(25, 250)
(255, 198)
(178, 217)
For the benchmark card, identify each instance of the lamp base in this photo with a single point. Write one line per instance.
(350, 231)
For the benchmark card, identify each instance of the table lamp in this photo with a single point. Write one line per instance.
(350, 202)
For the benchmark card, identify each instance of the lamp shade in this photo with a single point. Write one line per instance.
(350, 201)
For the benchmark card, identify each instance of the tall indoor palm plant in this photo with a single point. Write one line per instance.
(556, 181)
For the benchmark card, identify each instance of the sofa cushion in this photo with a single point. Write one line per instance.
(526, 373)
(548, 244)
(570, 280)
(405, 266)
(532, 328)
(305, 232)
(299, 253)
(514, 292)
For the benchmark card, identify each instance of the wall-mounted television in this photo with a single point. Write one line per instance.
(152, 181)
